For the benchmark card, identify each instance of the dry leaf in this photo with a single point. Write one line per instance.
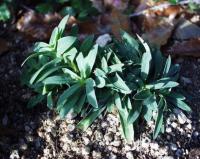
(119, 21)
(186, 48)
(37, 26)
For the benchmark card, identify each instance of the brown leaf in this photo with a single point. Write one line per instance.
(160, 33)
(119, 21)
(37, 26)
(186, 48)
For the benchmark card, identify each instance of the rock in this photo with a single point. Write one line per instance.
(167, 157)
(86, 140)
(181, 116)
(29, 138)
(108, 137)
(189, 126)
(70, 127)
(195, 134)
(154, 146)
(179, 153)
(168, 130)
(23, 146)
(186, 30)
(96, 155)
(98, 135)
(5, 120)
(103, 40)
(174, 125)
(85, 150)
(173, 147)
(129, 155)
(112, 156)
(116, 143)
(14, 154)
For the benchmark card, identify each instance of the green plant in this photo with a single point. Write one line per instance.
(88, 80)
(153, 79)
(4, 11)
(80, 9)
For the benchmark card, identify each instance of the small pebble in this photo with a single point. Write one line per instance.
(173, 147)
(179, 153)
(85, 150)
(70, 127)
(129, 155)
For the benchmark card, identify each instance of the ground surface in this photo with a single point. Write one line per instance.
(38, 133)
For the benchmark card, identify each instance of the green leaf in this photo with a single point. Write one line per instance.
(80, 103)
(91, 96)
(49, 100)
(42, 47)
(87, 44)
(86, 122)
(4, 12)
(158, 61)
(62, 25)
(123, 115)
(67, 93)
(100, 73)
(176, 96)
(115, 68)
(120, 85)
(179, 103)
(91, 58)
(131, 42)
(70, 55)
(145, 65)
(159, 120)
(81, 64)
(69, 105)
(71, 73)
(142, 95)
(47, 65)
(104, 64)
(150, 100)
(48, 72)
(35, 100)
(56, 80)
(64, 44)
(162, 84)
(167, 66)
(135, 112)
(54, 36)
(35, 55)
(100, 82)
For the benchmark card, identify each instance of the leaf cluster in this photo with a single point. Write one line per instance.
(127, 77)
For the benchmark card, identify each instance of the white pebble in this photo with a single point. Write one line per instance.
(173, 147)
(129, 155)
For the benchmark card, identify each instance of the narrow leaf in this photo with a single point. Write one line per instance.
(91, 96)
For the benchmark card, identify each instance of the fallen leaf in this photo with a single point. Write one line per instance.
(37, 26)
(186, 48)
(160, 33)
(119, 21)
